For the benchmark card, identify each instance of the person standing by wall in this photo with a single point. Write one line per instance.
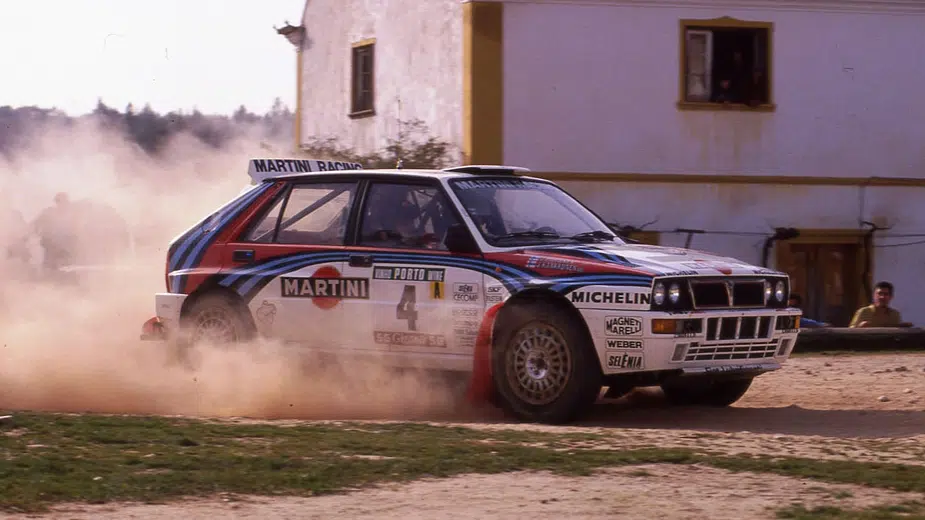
(879, 313)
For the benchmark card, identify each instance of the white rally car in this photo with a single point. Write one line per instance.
(476, 269)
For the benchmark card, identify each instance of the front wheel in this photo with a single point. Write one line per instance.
(709, 392)
(543, 366)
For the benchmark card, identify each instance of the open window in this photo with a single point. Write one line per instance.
(726, 63)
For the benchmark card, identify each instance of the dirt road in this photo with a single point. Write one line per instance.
(828, 407)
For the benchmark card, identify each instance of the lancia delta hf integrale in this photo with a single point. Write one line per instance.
(478, 269)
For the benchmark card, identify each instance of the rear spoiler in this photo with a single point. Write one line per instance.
(262, 169)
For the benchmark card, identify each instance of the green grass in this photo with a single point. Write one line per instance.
(47, 459)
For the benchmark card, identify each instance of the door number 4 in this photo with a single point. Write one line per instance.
(406, 308)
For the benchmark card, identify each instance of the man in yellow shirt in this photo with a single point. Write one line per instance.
(879, 313)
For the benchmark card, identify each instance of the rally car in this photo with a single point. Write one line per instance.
(482, 270)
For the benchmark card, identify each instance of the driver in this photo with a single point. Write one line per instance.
(405, 233)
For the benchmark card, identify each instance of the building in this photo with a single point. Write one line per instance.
(733, 117)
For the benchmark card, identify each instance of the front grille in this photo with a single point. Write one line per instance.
(727, 293)
(742, 327)
(737, 350)
(710, 294)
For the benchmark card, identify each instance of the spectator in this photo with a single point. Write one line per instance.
(879, 313)
(57, 231)
(797, 301)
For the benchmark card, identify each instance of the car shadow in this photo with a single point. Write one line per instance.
(649, 410)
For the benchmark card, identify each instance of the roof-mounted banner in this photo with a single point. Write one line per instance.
(260, 169)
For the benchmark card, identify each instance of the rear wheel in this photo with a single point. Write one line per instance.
(543, 366)
(215, 320)
(709, 392)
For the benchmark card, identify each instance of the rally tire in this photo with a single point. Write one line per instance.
(709, 392)
(544, 368)
(216, 319)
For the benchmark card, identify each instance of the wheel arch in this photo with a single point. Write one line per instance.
(556, 299)
(213, 288)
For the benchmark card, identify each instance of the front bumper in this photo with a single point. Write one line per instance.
(166, 321)
(726, 342)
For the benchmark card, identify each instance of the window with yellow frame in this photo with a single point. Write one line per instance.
(726, 64)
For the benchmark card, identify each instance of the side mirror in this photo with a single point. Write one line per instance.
(459, 240)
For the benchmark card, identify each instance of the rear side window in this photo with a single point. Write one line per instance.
(262, 233)
(312, 214)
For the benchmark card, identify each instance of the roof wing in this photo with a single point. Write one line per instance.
(262, 169)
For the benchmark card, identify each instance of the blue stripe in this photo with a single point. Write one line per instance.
(195, 233)
(260, 268)
(269, 273)
(225, 219)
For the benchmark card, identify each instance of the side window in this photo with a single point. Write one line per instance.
(406, 216)
(262, 233)
(316, 214)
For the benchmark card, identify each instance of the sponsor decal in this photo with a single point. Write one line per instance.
(409, 274)
(623, 326)
(466, 312)
(538, 262)
(301, 165)
(686, 335)
(409, 339)
(437, 290)
(731, 368)
(325, 287)
(704, 264)
(681, 273)
(627, 360)
(494, 294)
(466, 292)
(266, 313)
(764, 271)
(470, 185)
(610, 297)
(624, 344)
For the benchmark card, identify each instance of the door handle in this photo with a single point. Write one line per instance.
(361, 261)
(242, 255)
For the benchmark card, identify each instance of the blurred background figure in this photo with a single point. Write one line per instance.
(797, 301)
(879, 313)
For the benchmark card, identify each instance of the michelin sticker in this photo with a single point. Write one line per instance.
(611, 298)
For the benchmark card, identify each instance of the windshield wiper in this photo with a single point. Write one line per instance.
(593, 235)
(529, 234)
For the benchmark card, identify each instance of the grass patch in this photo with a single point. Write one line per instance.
(905, 511)
(48, 459)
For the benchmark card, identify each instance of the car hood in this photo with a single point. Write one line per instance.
(636, 258)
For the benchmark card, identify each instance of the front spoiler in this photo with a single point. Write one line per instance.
(737, 369)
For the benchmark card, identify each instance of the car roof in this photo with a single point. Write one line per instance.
(311, 169)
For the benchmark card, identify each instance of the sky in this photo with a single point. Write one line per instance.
(214, 55)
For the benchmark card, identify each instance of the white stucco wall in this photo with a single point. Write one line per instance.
(418, 68)
(592, 87)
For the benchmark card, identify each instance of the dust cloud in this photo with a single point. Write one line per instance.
(71, 344)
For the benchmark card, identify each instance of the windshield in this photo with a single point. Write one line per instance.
(510, 212)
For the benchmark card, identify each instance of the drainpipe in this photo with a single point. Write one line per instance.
(690, 235)
(779, 234)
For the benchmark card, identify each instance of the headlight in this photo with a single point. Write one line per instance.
(659, 296)
(674, 293)
(779, 291)
(767, 291)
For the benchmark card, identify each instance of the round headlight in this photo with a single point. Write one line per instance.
(659, 296)
(767, 291)
(779, 291)
(674, 293)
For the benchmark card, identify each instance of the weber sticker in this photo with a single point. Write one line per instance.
(620, 344)
(623, 326)
(627, 360)
(409, 274)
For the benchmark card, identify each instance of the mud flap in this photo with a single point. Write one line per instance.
(153, 330)
(480, 386)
